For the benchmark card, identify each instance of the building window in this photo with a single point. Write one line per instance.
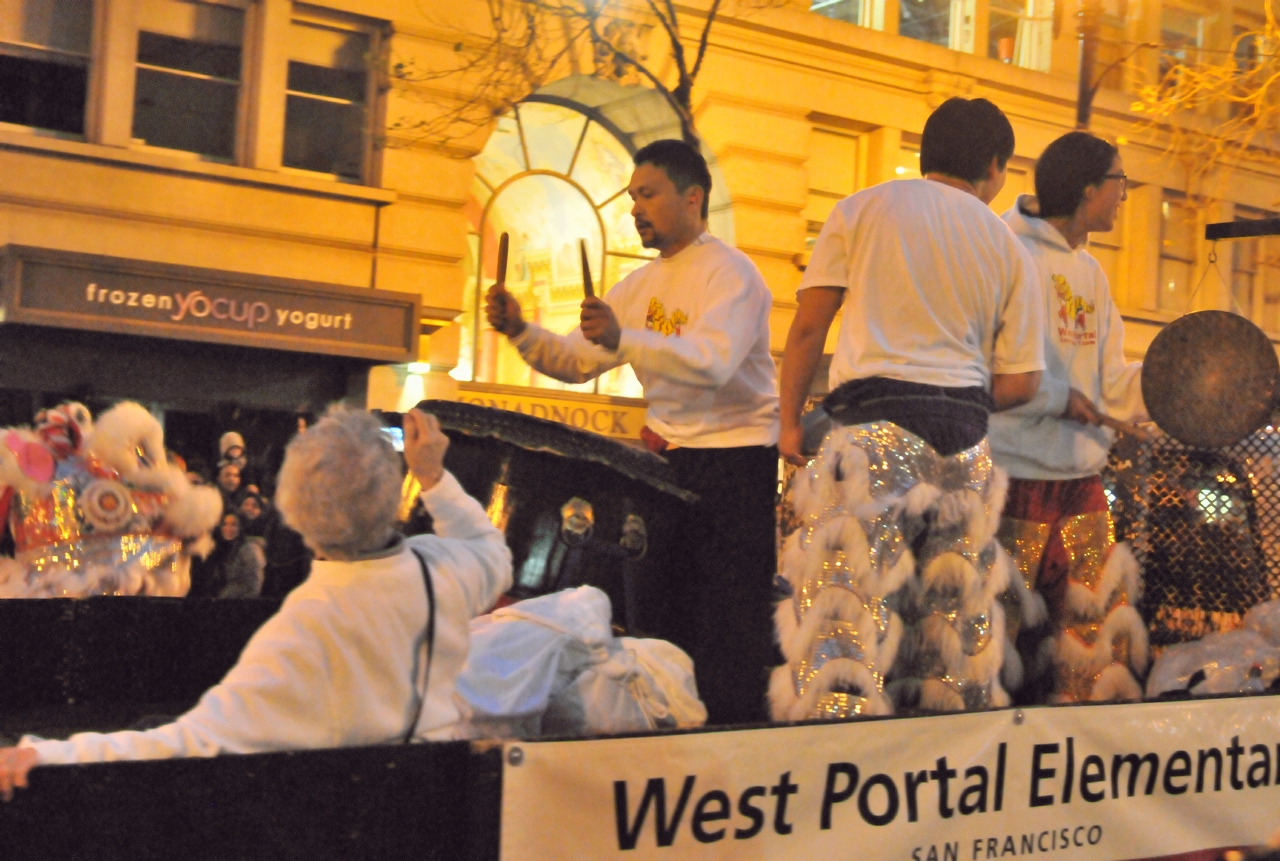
(1182, 32)
(1255, 275)
(926, 20)
(1177, 255)
(44, 63)
(189, 72)
(1002, 28)
(1248, 56)
(864, 13)
(549, 177)
(1020, 32)
(327, 117)
(841, 10)
(833, 176)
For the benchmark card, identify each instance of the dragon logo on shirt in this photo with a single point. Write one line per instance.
(1073, 314)
(656, 318)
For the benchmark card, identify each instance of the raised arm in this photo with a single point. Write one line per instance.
(463, 532)
(567, 358)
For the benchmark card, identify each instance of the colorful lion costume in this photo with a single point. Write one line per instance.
(895, 574)
(97, 509)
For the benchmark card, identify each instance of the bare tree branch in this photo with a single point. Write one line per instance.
(529, 43)
(704, 39)
(1220, 109)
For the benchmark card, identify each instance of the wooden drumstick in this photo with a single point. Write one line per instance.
(1130, 428)
(504, 243)
(587, 289)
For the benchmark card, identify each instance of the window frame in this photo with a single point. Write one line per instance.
(375, 88)
(245, 88)
(1263, 268)
(112, 67)
(1170, 199)
(35, 52)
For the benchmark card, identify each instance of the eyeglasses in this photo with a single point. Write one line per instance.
(1124, 179)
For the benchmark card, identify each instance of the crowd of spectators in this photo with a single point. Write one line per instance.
(255, 554)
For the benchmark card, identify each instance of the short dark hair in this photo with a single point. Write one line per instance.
(1067, 167)
(962, 137)
(682, 164)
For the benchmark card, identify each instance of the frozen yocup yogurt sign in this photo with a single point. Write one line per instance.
(139, 297)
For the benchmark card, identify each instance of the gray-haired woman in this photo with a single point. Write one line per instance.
(345, 661)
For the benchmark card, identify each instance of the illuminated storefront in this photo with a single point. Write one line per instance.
(553, 174)
(550, 177)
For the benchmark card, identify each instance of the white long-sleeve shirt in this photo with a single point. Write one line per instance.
(339, 664)
(695, 328)
(1084, 349)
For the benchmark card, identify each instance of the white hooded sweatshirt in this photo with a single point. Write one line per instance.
(1084, 350)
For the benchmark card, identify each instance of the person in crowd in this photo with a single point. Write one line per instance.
(693, 323)
(287, 557)
(940, 328)
(259, 518)
(230, 484)
(235, 566)
(368, 650)
(231, 449)
(1055, 446)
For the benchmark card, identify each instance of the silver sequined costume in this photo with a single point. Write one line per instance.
(870, 620)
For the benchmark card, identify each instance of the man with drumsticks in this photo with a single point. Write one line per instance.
(693, 323)
(895, 568)
(1056, 520)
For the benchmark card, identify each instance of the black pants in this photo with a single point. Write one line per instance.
(721, 577)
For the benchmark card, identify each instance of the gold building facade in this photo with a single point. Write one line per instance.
(281, 146)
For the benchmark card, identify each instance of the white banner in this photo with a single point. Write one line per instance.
(1107, 782)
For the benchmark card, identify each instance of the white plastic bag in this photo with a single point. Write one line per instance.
(551, 666)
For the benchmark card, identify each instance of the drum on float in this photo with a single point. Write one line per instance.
(576, 508)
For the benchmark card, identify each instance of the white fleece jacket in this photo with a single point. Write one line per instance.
(336, 666)
(1084, 349)
(695, 328)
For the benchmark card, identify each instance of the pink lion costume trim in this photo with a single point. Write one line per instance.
(98, 509)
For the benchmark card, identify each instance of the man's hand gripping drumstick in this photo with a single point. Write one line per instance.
(599, 325)
(1081, 409)
(500, 307)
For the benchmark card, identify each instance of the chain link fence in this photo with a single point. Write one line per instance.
(1205, 527)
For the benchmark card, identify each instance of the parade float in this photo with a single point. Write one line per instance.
(1192, 771)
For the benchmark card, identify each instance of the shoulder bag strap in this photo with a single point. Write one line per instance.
(431, 642)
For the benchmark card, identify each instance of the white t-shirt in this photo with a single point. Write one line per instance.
(936, 288)
(695, 328)
(335, 667)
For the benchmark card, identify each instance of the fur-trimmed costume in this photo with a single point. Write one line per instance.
(1061, 537)
(1057, 524)
(895, 573)
(102, 514)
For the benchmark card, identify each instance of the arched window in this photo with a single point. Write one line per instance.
(553, 173)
